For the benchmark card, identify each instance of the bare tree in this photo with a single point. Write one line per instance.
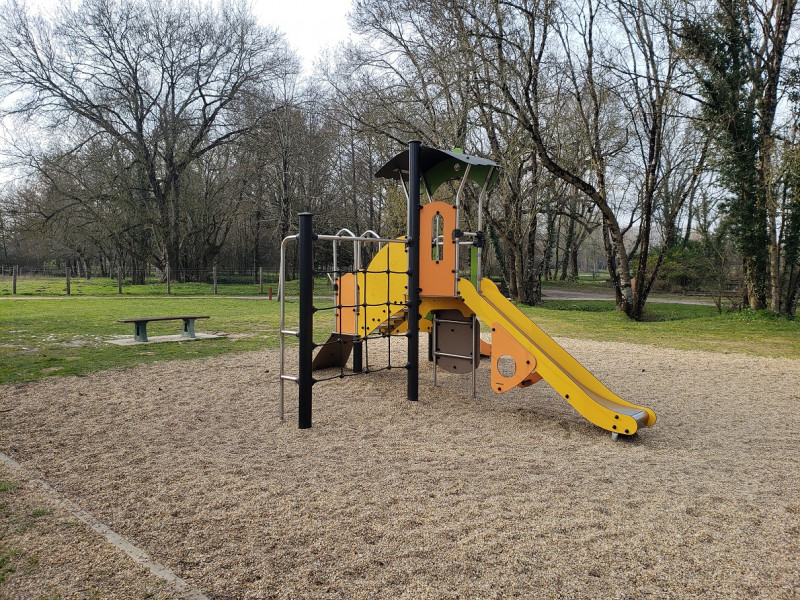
(164, 83)
(650, 69)
(422, 73)
(549, 59)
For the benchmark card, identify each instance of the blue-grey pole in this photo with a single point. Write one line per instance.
(413, 270)
(305, 379)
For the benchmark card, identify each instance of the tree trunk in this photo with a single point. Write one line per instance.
(573, 258)
(792, 291)
(499, 253)
(256, 249)
(774, 261)
(623, 271)
(568, 248)
(530, 291)
(513, 289)
(754, 285)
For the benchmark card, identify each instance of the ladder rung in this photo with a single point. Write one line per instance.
(466, 321)
(447, 355)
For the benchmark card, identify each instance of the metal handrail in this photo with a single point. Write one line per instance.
(458, 223)
(481, 196)
(360, 239)
(282, 294)
(341, 236)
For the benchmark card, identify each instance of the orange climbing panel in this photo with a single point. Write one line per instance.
(346, 298)
(503, 344)
(437, 273)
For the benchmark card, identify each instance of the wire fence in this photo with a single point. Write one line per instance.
(21, 280)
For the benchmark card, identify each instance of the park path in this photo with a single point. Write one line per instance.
(600, 294)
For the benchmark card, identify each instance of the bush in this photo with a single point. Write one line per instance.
(684, 269)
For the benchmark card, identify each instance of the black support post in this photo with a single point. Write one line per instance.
(413, 270)
(306, 268)
(358, 354)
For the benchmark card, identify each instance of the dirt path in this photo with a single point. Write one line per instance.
(511, 496)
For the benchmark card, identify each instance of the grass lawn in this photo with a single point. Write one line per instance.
(585, 280)
(105, 286)
(681, 326)
(68, 335)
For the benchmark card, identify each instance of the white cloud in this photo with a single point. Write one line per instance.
(310, 25)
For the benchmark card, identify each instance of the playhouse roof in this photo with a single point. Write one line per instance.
(438, 166)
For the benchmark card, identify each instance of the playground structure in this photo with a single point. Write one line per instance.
(430, 281)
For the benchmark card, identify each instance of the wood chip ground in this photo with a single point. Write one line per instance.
(511, 496)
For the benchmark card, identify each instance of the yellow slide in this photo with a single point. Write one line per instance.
(567, 376)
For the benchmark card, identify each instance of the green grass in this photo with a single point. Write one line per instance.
(40, 511)
(585, 281)
(105, 286)
(680, 326)
(68, 335)
(6, 565)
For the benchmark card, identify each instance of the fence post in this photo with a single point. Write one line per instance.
(169, 282)
(261, 280)
(306, 267)
(214, 275)
(119, 280)
(68, 285)
(14, 273)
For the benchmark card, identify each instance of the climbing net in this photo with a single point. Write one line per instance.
(365, 283)
(368, 310)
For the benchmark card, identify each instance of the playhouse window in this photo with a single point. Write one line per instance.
(437, 237)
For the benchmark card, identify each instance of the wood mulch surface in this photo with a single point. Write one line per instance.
(502, 496)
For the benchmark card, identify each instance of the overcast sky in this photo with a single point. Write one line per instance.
(310, 25)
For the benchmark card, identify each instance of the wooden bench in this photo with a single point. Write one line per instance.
(140, 325)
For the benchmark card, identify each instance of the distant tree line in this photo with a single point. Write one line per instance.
(183, 135)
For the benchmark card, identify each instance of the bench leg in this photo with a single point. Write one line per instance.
(140, 331)
(188, 328)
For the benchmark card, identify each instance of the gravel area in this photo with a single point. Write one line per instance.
(511, 496)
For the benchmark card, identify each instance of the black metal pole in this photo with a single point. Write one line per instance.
(413, 270)
(358, 353)
(306, 267)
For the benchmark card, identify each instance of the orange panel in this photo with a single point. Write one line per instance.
(346, 297)
(437, 277)
(503, 344)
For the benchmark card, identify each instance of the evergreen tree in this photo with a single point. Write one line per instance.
(725, 75)
(737, 54)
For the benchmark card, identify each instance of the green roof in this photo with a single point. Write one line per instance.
(439, 166)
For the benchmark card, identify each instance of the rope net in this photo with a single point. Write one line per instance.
(383, 331)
